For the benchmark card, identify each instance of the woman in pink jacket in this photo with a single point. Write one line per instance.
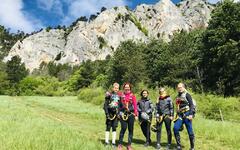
(127, 114)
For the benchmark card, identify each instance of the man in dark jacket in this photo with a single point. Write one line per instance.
(145, 109)
(185, 109)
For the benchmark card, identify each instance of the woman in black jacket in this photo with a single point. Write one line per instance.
(164, 113)
(145, 109)
(111, 109)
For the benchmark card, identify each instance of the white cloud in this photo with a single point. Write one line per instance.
(79, 8)
(54, 6)
(12, 16)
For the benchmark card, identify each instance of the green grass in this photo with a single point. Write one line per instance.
(65, 123)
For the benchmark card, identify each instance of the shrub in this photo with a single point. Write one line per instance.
(45, 86)
(94, 96)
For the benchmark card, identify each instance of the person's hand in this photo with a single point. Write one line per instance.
(136, 118)
(120, 115)
(171, 117)
(107, 116)
(190, 117)
(157, 119)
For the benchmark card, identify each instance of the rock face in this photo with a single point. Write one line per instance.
(100, 37)
(197, 12)
(41, 47)
(162, 19)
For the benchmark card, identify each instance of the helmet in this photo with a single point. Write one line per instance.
(144, 116)
(154, 128)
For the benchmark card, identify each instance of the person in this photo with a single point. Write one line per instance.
(164, 113)
(127, 114)
(185, 109)
(145, 110)
(111, 110)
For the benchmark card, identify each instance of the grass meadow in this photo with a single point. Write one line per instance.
(66, 123)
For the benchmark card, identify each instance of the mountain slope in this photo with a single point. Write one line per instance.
(100, 37)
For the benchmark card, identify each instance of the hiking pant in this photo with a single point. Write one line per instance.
(129, 123)
(111, 124)
(145, 126)
(177, 126)
(167, 122)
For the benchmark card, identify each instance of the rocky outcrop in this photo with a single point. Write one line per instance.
(196, 12)
(41, 47)
(162, 19)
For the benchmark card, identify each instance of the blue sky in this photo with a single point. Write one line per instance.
(31, 15)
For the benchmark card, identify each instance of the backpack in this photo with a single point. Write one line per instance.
(194, 106)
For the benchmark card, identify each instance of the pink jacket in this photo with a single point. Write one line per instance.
(130, 98)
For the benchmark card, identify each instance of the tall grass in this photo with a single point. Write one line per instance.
(35, 123)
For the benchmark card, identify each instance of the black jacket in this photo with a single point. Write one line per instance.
(111, 98)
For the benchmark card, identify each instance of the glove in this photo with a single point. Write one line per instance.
(121, 114)
(157, 117)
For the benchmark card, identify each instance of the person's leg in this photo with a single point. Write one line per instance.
(167, 122)
(176, 128)
(114, 133)
(123, 130)
(108, 127)
(188, 124)
(159, 134)
(144, 128)
(130, 128)
(148, 132)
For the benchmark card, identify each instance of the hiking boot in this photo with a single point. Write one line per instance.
(150, 141)
(179, 148)
(192, 138)
(178, 141)
(146, 144)
(119, 147)
(168, 146)
(113, 145)
(129, 147)
(158, 146)
(106, 144)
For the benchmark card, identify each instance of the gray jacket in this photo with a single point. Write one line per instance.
(165, 106)
(145, 105)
